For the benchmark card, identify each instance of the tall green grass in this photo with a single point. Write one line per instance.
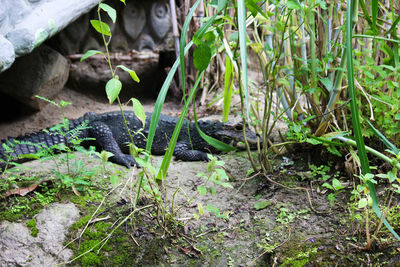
(355, 117)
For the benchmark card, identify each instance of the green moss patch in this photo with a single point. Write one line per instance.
(32, 225)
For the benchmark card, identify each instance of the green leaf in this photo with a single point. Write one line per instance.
(139, 110)
(362, 203)
(228, 84)
(354, 110)
(313, 141)
(113, 87)
(331, 198)
(201, 209)
(202, 57)
(64, 103)
(30, 156)
(174, 138)
(391, 176)
(47, 100)
(327, 186)
(102, 27)
(203, 29)
(131, 72)
(105, 155)
(293, 5)
(383, 138)
(114, 180)
(221, 5)
(337, 184)
(110, 11)
(212, 208)
(90, 53)
(327, 83)
(221, 146)
(259, 205)
(254, 8)
(369, 176)
(123, 1)
(202, 190)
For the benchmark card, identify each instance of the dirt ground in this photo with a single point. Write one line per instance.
(232, 231)
(31, 121)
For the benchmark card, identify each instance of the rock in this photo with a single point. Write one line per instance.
(44, 72)
(19, 248)
(7, 56)
(27, 24)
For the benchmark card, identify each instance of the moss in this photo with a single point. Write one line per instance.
(91, 259)
(9, 216)
(32, 225)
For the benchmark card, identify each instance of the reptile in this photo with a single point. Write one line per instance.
(109, 133)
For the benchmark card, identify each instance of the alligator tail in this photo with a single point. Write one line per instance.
(14, 149)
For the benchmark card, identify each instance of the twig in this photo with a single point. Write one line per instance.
(91, 218)
(134, 240)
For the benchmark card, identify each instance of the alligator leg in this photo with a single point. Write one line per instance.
(106, 140)
(184, 152)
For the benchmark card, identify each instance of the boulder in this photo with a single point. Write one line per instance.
(19, 248)
(43, 72)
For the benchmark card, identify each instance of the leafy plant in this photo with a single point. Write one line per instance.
(215, 175)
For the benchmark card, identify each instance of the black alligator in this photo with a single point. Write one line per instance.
(109, 133)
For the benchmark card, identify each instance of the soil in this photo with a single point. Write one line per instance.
(225, 226)
(26, 121)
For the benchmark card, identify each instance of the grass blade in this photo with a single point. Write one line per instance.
(160, 101)
(174, 138)
(221, 146)
(243, 52)
(182, 42)
(228, 84)
(383, 138)
(355, 116)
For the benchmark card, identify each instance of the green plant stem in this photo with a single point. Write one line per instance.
(104, 40)
(370, 150)
(313, 52)
(241, 11)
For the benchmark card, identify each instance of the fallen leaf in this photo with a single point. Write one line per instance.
(22, 191)
(76, 191)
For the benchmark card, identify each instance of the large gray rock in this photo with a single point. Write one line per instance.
(44, 72)
(19, 248)
(26, 24)
(7, 55)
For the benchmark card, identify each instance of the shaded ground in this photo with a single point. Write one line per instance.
(230, 230)
(30, 121)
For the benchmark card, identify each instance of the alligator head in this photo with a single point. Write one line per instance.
(230, 133)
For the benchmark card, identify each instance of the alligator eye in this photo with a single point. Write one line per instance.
(238, 126)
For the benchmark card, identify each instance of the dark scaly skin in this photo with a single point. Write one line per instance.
(110, 134)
